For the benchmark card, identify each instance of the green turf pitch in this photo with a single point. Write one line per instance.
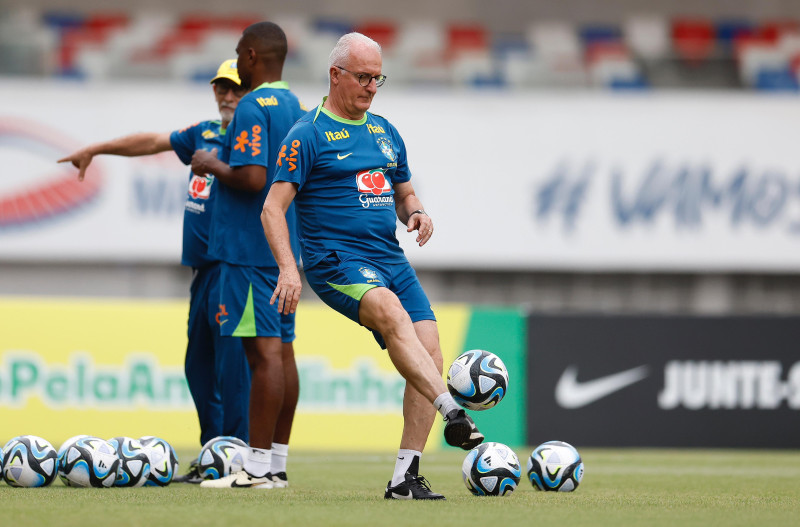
(621, 487)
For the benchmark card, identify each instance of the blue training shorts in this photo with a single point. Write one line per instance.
(244, 308)
(342, 279)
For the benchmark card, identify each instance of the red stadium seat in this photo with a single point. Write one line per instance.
(384, 33)
(597, 51)
(693, 39)
(466, 38)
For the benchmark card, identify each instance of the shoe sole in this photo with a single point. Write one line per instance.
(258, 486)
(460, 435)
(412, 499)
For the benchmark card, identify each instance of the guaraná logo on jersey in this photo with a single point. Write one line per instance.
(373, 182)
(388, 150)
(200, 186)
(39, 194)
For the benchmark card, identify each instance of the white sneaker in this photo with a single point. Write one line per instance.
(279, 480)
(239, 479)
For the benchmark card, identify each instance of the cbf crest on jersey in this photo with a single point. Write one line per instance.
(368, 273)
(386, 147)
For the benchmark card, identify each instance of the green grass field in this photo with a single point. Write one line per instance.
(621, 487)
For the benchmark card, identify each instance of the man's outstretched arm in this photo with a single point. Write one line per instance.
(141, 144)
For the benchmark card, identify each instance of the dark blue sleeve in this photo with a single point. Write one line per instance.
(297, 154)
(184, 142)
(402, 173)
(247, 136)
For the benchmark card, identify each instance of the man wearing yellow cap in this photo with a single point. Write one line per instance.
(216, 367)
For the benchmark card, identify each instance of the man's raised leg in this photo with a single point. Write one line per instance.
(381, 310)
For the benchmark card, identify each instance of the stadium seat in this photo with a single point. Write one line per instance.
(419, 53)
(382, 32)
(610, 65)
(756, 58)
(334, 26)
(648, 37)
(558, 54)
(782, 79)
(466, 38)
(729, 30)
(596, 33)
(693, 40)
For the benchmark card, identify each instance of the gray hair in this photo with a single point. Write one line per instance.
(342, 48)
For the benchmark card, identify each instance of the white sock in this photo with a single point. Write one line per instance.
(445, 404)
(258, 462)
(279, 454)
(404, 459)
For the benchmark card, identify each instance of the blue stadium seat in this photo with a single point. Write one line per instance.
(776, 80)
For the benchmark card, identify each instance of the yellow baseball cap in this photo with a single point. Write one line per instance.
(227, 70)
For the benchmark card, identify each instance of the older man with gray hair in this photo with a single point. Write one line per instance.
(347, 172)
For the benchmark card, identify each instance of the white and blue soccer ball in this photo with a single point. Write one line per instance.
(66, 444)
(555, 466)
(477, 380)
(222, 456)
(134, 462)
(491, 469)
(87, 461)
(29, 461)
(163, 461)
(63, 448)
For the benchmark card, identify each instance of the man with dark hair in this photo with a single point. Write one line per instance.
(347, 172)
(216, 369)
(248, 271)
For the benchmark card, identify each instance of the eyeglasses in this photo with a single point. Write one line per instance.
(364, 79)
(224, 88)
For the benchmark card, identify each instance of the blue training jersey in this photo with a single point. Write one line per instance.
(345, 172)
(261, 121)
(199, 205)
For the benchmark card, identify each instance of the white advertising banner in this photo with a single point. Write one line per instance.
(591, 181)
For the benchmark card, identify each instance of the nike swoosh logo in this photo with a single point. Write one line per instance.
(406, 496)
(340, 156)
(573, 394)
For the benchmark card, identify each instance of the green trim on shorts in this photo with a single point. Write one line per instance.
(247, 324)
(354, 291)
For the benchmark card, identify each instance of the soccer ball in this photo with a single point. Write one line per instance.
(29, 461)
(66, 444)
(63, 448)
(477, 380)
(491, 469)
(134, 463)
(163, 461)
(555, 465)
(87, 461)
(222, 456)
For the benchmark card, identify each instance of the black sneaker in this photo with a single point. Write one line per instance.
(193, 476)
(461, 431)
(415, 487)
